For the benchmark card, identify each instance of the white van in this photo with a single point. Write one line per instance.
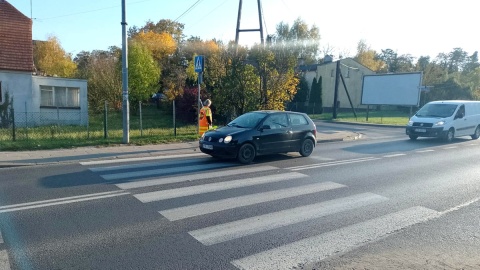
(446, 119)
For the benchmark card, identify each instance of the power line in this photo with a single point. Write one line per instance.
(208, 14)
(89, 11)
(188, 10)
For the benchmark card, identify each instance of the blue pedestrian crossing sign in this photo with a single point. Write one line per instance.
(199, 65)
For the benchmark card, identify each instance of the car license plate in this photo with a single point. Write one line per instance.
(420, 130)
(207, 146)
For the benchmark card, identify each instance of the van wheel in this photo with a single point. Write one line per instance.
(450, 135)
(413, 137)
(476, 135)
(246, 153)
(307, 148)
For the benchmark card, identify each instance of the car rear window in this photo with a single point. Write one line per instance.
(298, 119)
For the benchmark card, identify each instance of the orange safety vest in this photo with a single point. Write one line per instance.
(203, 126)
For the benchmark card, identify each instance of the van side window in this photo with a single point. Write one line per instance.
(461, 112)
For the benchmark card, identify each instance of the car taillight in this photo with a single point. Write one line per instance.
(314, 130)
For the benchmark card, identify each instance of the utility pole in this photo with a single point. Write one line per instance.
(125, 105)
(335, 96)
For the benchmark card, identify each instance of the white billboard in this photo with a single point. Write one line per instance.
(392, 89)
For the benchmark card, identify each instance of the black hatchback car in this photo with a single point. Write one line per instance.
(261, 132)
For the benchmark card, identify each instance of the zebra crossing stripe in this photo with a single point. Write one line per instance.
(193, 177)
(240, 228)
(182, 169)
(320, 247)
(194, 190)
(231, 203)
(145, 165)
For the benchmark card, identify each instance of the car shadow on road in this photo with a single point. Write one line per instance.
(402, 145)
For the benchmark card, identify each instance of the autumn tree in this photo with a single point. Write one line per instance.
(175, 29)
(161, 45)
(276, 68)
(51, 59)
(368, 57)
(104, 80)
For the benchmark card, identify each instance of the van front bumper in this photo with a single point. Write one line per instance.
(425, 132)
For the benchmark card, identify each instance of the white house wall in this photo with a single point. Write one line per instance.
(353, 83)
(48, 115)
(19, 87)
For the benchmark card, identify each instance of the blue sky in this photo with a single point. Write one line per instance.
(415, 27)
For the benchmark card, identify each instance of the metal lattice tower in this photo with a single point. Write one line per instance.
(260, 29)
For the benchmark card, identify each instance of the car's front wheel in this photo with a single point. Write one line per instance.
(450, 135)
(307, 148)
(246, 153)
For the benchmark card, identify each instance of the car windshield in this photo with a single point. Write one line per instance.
(437, 110)
(248, 120)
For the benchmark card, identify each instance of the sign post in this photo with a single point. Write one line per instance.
(199, 67)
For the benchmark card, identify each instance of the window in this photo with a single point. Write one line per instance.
(278, 120)
(54, 96)
(298, 119)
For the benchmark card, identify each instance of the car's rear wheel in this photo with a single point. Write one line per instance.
(450, 135)
(307, 147)
(413, 137)
(476, 135)
(246, 153)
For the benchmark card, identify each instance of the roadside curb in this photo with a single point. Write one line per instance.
(359, 123)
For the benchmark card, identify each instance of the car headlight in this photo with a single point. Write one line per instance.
(439, 123)
(227, 139)
(203, 136)
(410, 122)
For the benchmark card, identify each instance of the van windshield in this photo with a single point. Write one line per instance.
(437, 110)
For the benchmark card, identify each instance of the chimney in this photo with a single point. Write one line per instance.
(327, 59)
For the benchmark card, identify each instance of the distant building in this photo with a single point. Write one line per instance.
(37, 100)
(352, 72)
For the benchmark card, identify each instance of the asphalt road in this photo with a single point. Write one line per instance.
(382, 202)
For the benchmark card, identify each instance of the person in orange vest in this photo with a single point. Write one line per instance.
(205, 117)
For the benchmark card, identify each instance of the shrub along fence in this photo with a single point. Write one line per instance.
(148, 121)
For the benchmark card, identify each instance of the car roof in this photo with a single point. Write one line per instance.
(275, 111)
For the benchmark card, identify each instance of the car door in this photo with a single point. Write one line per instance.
(461, 122)
(300, 128)
(275, 134)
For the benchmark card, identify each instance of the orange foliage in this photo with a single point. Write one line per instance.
(160, 44)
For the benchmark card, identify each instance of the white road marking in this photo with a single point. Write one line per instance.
(144, 173)
(194, 190)
(231, 203)
(123, 160)
(450, 147)
(395, 155)
(333, 163)
(320, 247)
(425, 151)
(193, 177)
(145, 165)
(236, 229)
(59, 201)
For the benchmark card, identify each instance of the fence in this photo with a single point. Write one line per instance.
(147, 121)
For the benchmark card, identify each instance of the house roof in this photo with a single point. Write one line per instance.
(16, 48)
